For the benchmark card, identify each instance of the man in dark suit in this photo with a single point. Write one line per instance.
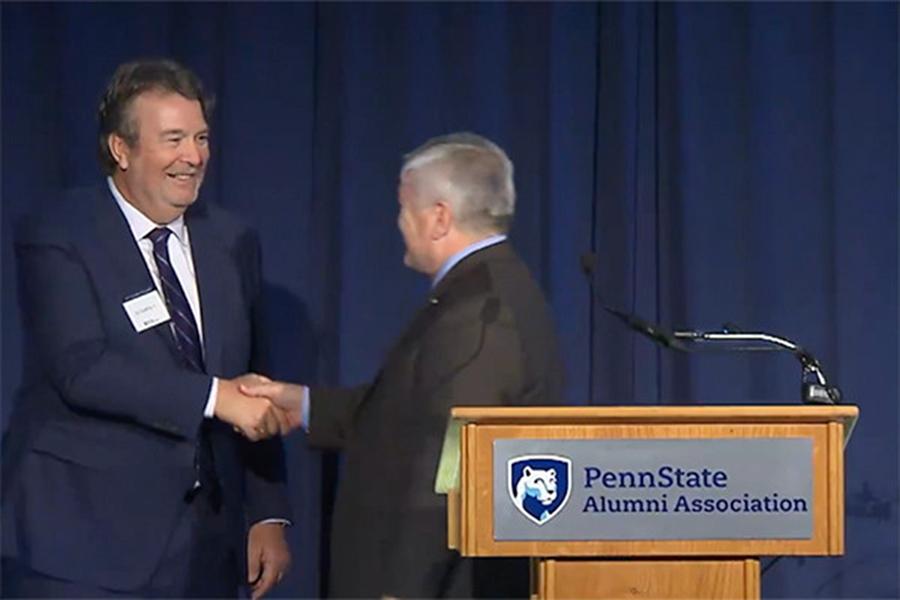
(484, 337)
(125, 473)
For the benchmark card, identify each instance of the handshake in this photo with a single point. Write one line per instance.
(258, 407)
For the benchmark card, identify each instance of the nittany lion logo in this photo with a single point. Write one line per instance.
(539, 485)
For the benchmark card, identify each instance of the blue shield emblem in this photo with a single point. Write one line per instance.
(539, 485)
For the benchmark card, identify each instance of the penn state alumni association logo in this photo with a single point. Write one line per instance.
(539, 485)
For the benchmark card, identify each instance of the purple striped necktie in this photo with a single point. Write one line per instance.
(184, 327)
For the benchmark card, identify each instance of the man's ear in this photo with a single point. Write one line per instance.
(443, 220)
(119, 149)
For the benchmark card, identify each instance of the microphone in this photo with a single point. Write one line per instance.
(634, 322)
(654, 332)
(814, 387)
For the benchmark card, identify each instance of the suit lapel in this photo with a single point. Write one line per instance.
(420, 321)
(126, 264)
(456, 278)
(207, 254)
(427, 313)
(123, 255)
(498, 251)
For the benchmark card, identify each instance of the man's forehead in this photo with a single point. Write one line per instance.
(156, 95)
(166, 105)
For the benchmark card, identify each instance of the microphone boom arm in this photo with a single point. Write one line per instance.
(814, 392)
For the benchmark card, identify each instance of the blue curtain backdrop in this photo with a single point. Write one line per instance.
(725, 162)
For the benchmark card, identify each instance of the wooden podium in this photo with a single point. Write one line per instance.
(704, 566)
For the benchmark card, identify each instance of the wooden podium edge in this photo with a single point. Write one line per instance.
(835, 469)
(839, 424)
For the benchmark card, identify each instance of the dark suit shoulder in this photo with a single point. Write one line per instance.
(222, 218)
(473, 302)
(64, 220)
(229, 227)
(473, 283)
(489, 281)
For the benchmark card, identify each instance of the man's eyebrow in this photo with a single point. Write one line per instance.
(182, 132)
(168, 132)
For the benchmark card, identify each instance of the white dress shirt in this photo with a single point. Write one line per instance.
(182, 262)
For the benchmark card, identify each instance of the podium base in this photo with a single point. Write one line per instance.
(553, 579)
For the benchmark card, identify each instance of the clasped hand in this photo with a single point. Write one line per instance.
(257, 407)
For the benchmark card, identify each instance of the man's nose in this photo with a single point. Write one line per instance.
(192, 153)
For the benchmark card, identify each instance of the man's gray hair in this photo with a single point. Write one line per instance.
(473, 175)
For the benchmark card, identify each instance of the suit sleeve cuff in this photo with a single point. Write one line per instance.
(277, 521)
(304, 408)
(210, 410)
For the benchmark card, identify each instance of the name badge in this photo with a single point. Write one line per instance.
(146, 310)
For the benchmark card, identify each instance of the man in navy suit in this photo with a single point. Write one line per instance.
(131, 464)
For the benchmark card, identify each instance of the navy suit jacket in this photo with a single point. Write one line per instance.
(101, 445)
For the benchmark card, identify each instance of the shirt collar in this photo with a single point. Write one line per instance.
(470, 249)
(138, 222)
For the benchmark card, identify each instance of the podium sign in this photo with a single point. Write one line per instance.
(652, 489)
(646, 502)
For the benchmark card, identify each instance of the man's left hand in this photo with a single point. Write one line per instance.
(268, 557)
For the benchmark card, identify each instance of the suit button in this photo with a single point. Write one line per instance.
(433, 300)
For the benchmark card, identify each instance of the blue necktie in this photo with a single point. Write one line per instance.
(187, 338)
